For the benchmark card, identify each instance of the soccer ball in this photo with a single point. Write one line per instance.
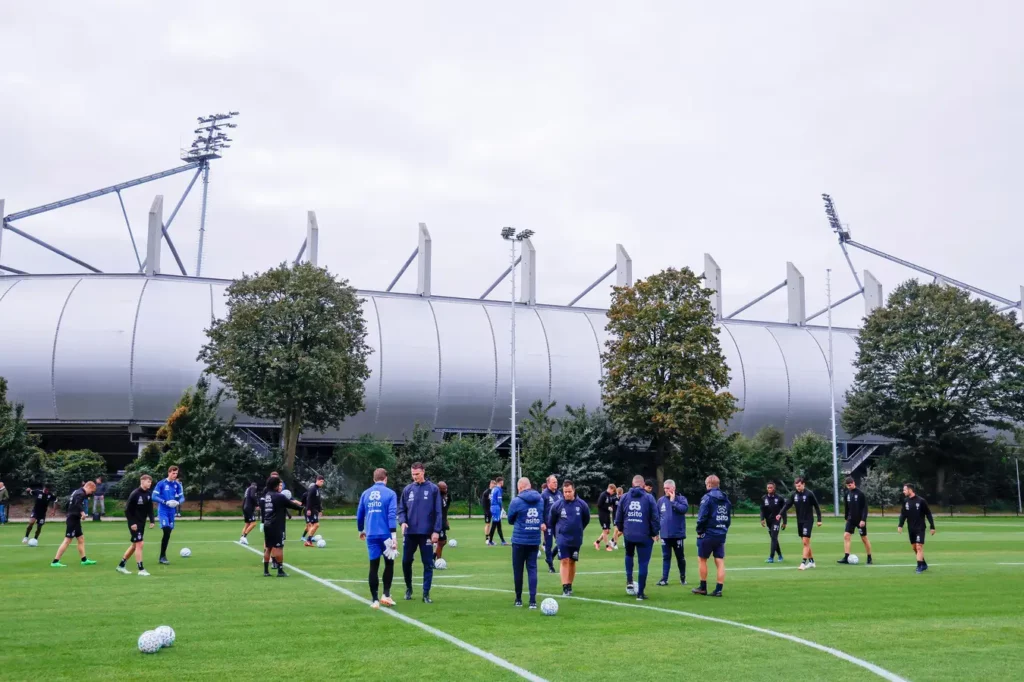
(33, 542)
(440, 564)
(854, 559)
(287, 493)
(321, 543)
(149, 642)
(453, 543)
(318, 538)
(166, 635)
(185, 552)
(549, 607)
(631, 589)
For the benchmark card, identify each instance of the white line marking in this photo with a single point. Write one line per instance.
(486, 655)
(125, 544)
(881, 672)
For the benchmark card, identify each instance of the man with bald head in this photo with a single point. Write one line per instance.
(526, 515)
(637, 518)
(713, 522)
(550, 494)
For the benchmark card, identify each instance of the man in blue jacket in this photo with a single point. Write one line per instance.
(672, 512)
(550, 495)
(637, 519)
(713, 522)
(376, 520)
(526, 514)
(496, 494)
(419, 512)
(567, 520)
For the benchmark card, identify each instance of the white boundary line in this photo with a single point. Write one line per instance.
(881, 672)
(125, 543)
(486, 655)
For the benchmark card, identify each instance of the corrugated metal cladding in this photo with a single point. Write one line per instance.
(117, 349)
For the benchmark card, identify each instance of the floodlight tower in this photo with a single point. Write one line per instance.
(510, 235)
(210, 141)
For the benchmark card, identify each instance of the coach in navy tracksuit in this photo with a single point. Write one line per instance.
(526, 514)
(550, 494)
(713, 521)
(567, 519)
(637, 519)
(672, 514)
(419, 512)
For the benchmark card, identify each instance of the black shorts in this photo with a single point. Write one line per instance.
(916, 535)
(854, 526)
(136, 535)
(312, 517)
(674, 543)
(273, 539)
(40, 519)
(569, 553)
(74, 527)
(249, 515)
(805, 529)
(487, 517)
(443, 535)
(606, 522)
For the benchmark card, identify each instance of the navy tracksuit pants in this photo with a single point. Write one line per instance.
(409, 544)
(549, 541)
(525, 556)
(643, 552)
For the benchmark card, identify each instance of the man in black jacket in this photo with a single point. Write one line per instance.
(314, 502)
(73, 530)
(137, 509)
(856, 519)
(250, 511)
(914, 512)
(773, 506)
(806, 505)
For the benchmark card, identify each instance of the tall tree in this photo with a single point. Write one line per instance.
(465, 464)
(292, 348)
(666, 375)
(762, 459)
(811, 454)
(17, 444)
(934, 366)
(879, 488)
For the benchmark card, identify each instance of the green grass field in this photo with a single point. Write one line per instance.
(962, 620)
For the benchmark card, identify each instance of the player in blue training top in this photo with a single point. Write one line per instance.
(713, 522)
(168, 493)
(496, 494)
(377, 521)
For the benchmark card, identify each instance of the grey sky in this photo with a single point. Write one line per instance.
(674, 130)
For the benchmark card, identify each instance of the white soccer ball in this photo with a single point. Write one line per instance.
(185, 552)
(321, 543)
(440, 564)
(453, 543)
(318, 537)
(549, 607)
(149, 642)
(631, 589)
(166, 635)
(854, 559)
(33, 542)
(287, 493)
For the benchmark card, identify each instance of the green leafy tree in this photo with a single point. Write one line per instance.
(292, 348)
(666, 375)
(933, 367)
(762, 458)
(879, 487)
(811, 454)
(17, 444)
(66, 470)
(465, 464)
(357, 462)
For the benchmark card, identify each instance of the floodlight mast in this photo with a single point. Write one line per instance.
(210, 141)
(509, 234)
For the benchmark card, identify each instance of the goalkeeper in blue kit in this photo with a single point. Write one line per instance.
(169, 494)
(377, 521)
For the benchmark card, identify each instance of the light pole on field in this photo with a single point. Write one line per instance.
(510, 235)
(832, 397)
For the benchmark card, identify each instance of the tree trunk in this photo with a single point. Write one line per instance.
(292, 427)
(940, 482)
(661, 480)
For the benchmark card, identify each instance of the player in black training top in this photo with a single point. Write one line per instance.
(806, 506)
(773, 506)
(73, 531)
(914, 512)
(856, 519)
(275, 506)
(250, 511)
(442, 537)
(607, 503)
(137, 510)
(42, 498)
(314, 502)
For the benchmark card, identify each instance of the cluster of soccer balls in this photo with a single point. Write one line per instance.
(151, 641)
(319, 541)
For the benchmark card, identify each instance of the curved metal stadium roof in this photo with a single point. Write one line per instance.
(120, 349)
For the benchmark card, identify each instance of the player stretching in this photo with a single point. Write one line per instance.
(274, 505)
(76, 512)
(419, 511)
(168, 494)
(42, 498)
(806, 506)
(250, 508)
(773, 506)
(856, 518)
(314, 502)
(550, 495)
(713, 521)
(137, 509)
(569, 518)
(485, 502)
(915, 511)
(442, 537)
(496, 496)
(639, 522)
(607, 501)
(376, 520)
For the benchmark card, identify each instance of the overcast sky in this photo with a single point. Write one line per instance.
(672, 128)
